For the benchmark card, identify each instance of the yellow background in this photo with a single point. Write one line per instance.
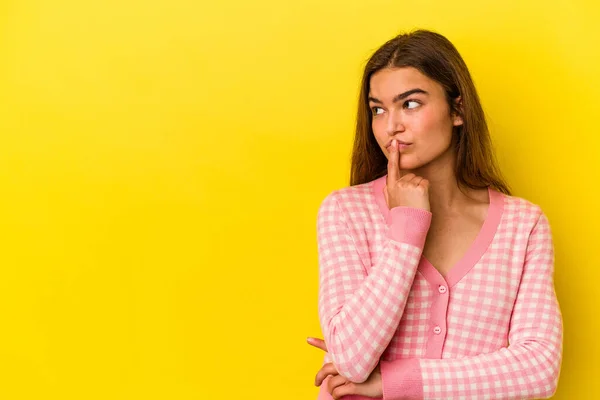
(162, 162)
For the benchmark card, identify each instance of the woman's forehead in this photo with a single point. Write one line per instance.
(389, 82)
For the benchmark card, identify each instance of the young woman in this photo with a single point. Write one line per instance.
(435, 282)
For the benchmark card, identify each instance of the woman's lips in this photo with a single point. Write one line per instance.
(401, 146)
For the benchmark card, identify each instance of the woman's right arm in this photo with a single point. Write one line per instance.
(359, 312)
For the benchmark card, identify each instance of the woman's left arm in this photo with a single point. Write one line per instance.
(528, 368)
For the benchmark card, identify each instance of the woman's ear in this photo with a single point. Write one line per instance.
(457, 115)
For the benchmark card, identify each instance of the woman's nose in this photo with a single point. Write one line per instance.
(394, 123)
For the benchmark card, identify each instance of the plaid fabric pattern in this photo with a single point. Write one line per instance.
(491, 329)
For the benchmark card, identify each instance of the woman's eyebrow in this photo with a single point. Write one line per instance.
(399, 96)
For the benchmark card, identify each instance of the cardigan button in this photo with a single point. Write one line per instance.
(437, 330)
(442, 289)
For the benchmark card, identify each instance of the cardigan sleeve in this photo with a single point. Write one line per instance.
(528, 368)
(360, 309)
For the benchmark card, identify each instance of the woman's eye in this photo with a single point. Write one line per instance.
(410, 104)
(377, 110)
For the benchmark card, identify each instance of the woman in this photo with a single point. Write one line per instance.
(435, 282)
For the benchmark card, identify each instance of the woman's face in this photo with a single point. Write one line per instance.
(412, 108)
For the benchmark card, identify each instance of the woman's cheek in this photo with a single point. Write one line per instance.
(379, 133)
(376, 125)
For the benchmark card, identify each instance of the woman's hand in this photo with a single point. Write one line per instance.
(404, 190)
(339, 386)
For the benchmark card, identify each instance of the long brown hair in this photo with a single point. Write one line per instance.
(434, 56)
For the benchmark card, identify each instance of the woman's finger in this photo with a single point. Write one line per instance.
(334, 383)
(417, 180)
(320, 343)
(344, 390)
(327, 369)
(393, 164)
(408, 177)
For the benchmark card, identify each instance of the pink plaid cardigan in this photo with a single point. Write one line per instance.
(491, 329)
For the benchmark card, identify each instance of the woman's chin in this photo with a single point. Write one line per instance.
(409, 166)
(407, 163)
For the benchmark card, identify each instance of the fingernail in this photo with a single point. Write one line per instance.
(309, 340)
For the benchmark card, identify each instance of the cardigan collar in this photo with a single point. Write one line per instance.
(475, 251)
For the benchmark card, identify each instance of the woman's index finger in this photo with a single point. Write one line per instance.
(393, 164)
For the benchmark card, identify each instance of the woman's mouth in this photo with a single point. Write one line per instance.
(401, 146)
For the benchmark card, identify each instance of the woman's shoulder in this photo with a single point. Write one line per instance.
(521, 208)
(354, 194)
(351, 199)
